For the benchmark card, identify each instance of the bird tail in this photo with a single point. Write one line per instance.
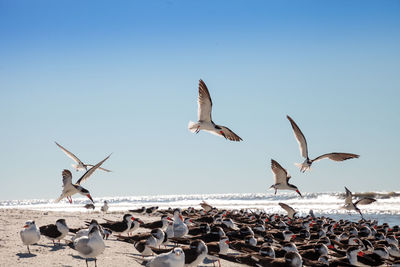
(59, 198)
(193, 126)
(303, 166)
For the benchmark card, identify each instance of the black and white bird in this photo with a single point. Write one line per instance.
(89, 246)
(281, 178)
(120, 227)
(79, 164)
(306, 165)
(204, 117)
(350, 205)
(30, 234)
(290, 211)
(70, 189)
(55, 231)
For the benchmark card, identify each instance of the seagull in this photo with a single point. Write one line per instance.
(306, 165)
(204, 117)
(350, 205)
(80, 165)
(30, 234)
(291, 212)
(70, 189)
(174, 258)
(282, 177)
(104, 208)
(89, 246)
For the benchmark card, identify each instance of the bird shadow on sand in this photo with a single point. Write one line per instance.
(26, 255)
(81, 258)
(53, 247)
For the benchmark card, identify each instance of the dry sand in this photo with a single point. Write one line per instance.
(14, 253)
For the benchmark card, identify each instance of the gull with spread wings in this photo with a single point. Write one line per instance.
(79, 164)
(350, 205)
(281, 177)
(306, 165)
(70, 189)
(204, 117)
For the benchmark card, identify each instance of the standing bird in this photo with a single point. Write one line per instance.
(30, 234)
(306, 165)
(104, 208)
(89, 246)
(204, 117)
(291, 212)
(70, 189)
(281, 177)
(350, 205)
(55, 231)
(80, 165)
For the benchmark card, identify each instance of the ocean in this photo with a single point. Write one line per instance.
(385, 209)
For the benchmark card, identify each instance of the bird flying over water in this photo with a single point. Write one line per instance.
(79, 164)
(306, 165)
(350, 205)
(281, 178)
(204, 117)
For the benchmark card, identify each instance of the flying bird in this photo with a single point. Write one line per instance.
(291, 212)
(204, 117)
(281, 177)
(306, 165)
(350, 205)
(70, 189)
(79, 164)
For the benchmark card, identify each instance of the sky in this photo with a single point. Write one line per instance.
(121, 77)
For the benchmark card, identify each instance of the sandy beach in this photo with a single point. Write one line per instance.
(14, 253)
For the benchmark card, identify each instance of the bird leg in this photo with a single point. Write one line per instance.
(95, 262)
(86, 263)
(275, 191)
(54, 243)
(219, 263)
(28, 249)
(198, 129)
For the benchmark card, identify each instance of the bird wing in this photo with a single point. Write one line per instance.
(337, 156)
(299, 137)
(288, 209)
(82, 245)
(89, 172)
(67, 177)
(228, 133)
(365, 201)
(162, 260)
(349, 197)
(100, 168)
(280, 174)
(204, 103)
(69, 154)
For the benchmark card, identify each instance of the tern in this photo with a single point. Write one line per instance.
(55, 231)
(350, 205)
(306, 165)
(30, 234)
(282, 177)
(70, 189)
(291, 212)
(204, 117)
(79, 164)
(174, 258)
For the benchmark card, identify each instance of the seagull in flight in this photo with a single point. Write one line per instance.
(291, 212)
(70, 189)
(281, 177)
(204, 117)
(80, 165)
(350, 205)
(306, 165)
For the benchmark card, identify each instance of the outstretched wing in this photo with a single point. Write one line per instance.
(280, 174)
(337, 156)
(69, 154)
(204, 103)
(100, 168)
(228, 133)
(349, 197)
(288, 209)
(67, 177)
(299, 137)
(89, 172)
(365, 201)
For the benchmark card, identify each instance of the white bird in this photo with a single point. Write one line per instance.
(306, 165)
(180, 228)
(104, 208)
(30, 234)
(204, 117)
(89, 246)
(291, 212)
(350, 205)
(70, 189)
(281, 178)
(174, 258)
(79, 164)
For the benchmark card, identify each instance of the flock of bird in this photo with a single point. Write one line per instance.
(192, 237)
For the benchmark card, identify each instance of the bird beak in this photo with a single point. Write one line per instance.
(90, 197)
(132, 218)
(331, 246)
(266, 220)
(168, 218)
(180, 216)
(141, 222)
(26, 226)
(360, 254)
(293, 237)
(227, 242)
(298, 192)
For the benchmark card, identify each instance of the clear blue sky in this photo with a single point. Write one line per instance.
(121, 76)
